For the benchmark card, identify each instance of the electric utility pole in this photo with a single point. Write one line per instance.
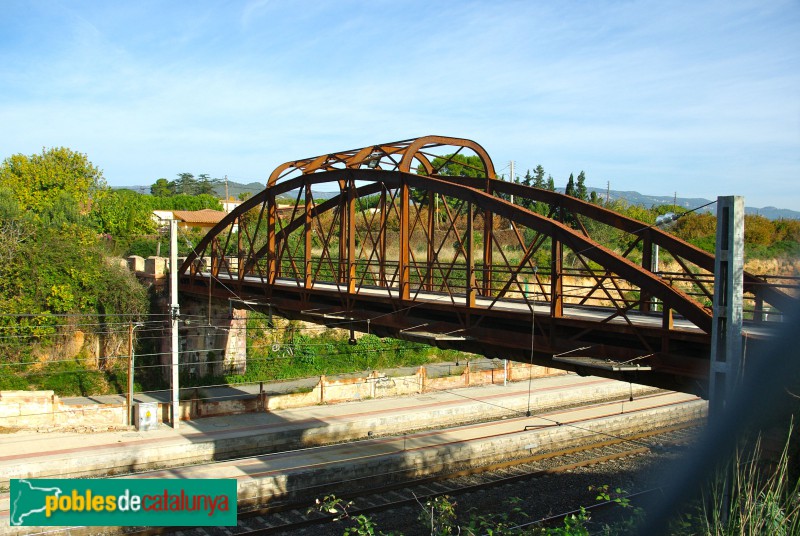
(511, 178)
(226, 194)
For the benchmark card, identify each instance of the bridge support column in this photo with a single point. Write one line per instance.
(215, 345)
(726, 329)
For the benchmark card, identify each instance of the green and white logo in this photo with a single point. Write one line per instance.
(122, 502)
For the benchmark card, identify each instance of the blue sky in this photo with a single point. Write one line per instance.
(698, 98)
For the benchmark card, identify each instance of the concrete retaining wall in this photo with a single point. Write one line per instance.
(374, 385)
(43, 409)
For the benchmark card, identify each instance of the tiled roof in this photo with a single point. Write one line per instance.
(206, 215)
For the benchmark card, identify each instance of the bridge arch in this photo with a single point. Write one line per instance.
(392, 156)
(391, 251)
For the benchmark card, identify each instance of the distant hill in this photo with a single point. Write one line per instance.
(235, 189)
(687, 203)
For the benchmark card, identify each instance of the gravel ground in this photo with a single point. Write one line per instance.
(539, 498)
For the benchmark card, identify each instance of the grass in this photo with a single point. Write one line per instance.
(763, 499)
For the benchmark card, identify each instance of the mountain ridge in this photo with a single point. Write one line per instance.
(235, 189)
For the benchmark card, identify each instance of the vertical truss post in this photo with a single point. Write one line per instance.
(488, 230)
(341, 266)
(470, 278)
(382, 239)
(726, 327)
(432, 196)
(351, 236)
(647, 264)
(556, 278)
(403, 268)
(272, 254)
(214, 263)
(307, 272)
(240, 258)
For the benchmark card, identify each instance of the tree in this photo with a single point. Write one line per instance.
(527, 179)
(457, 165)
(551, 184)
(185, 184)
(205, 184)
(580, 187)
(123, 213)
(162, 188)
(758, 230)
(787, 230)
(46, 182)
(453, 165)
(695, 225)
(570, 189)
(184, 202)
(538, 178)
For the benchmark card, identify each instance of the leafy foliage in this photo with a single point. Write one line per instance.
(458, 165)
(56, 178)
(54, 265)
(339, 508)
(123, 213)
(183, 202)
(185, 184)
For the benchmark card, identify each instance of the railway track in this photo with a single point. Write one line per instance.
(294, 515)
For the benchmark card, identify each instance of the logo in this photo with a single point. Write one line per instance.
(122, 502)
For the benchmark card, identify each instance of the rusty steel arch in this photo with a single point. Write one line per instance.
(403, 263)
(392, 156)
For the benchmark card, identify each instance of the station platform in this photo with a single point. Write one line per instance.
(72, 455)
(64, 454)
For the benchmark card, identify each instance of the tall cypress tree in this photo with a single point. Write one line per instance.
(538, 178)
(580, 187)
(570, 189)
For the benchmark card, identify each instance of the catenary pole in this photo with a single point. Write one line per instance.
(175, 314)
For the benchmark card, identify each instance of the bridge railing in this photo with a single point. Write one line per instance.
(579, 286)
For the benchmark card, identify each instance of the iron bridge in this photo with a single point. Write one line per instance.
(422, 245)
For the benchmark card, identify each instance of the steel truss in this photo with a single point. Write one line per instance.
(402, 250)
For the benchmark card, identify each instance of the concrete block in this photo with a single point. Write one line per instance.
(135, 263)
(156, 266)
